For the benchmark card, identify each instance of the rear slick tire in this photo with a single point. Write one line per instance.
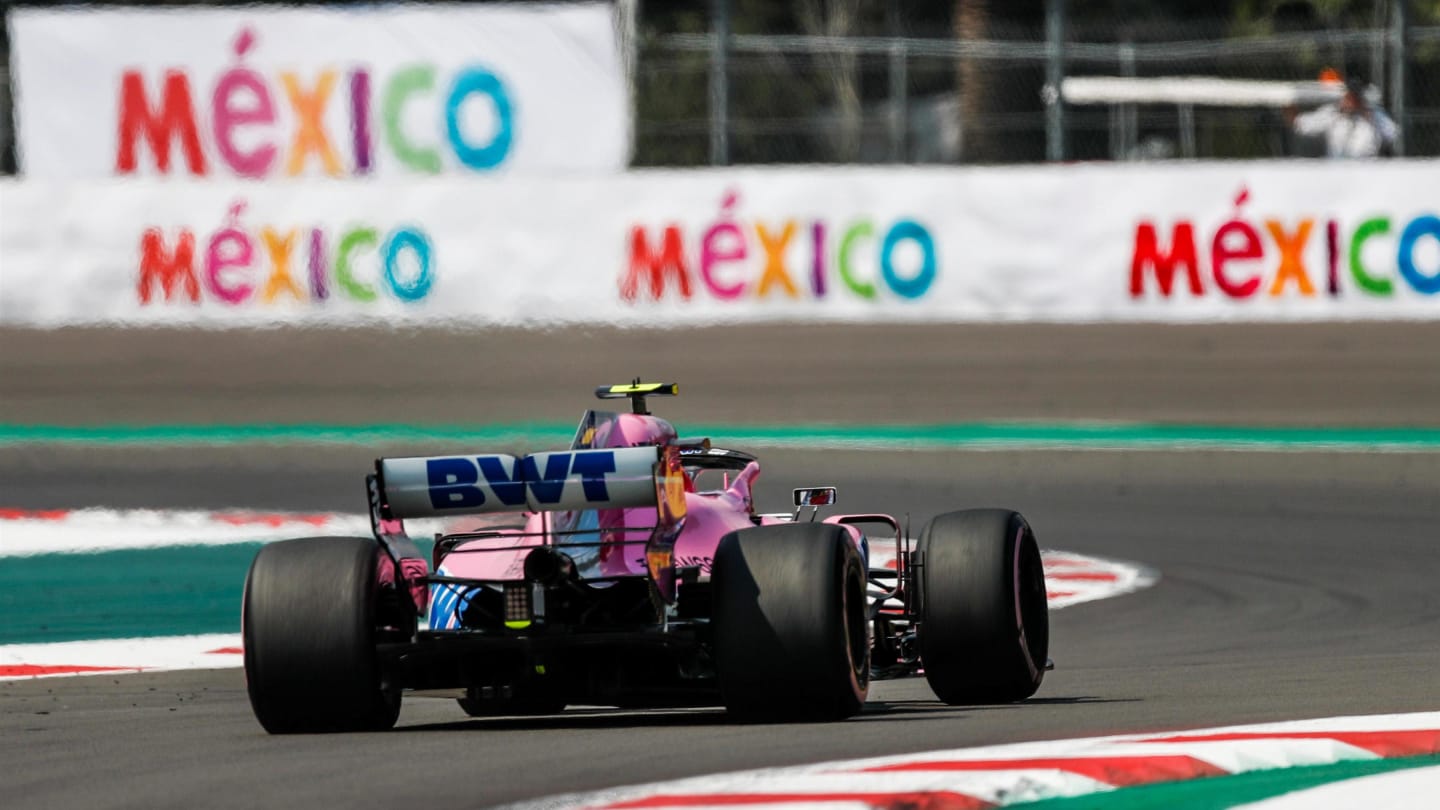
(308, 622)
(789, 623)
(984, 623)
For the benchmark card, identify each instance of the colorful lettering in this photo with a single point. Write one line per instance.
(856, 232)
(1237, 241)
(908, 231)
(310, 135)
(1162, 263)
(817, 264)
(406, 257)
(403, 85)
(317, 266)
(723, 242)
(646, 263)
(774, 247)
(349, 243)
(479, 82)
(1292, 260)
(907, 259)
(414, 242)
(279, 249)
(176, 119)
(1419, 227)
(229, 111)
(169, 268)
(241, 118)
(360, 119)
(1332, 253)
(1367, 282)
(229, 248)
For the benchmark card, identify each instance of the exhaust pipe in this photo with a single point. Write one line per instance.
(547, 566)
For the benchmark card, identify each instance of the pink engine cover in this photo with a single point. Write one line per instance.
(709, 517)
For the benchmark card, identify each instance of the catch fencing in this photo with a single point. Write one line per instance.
(982, 87)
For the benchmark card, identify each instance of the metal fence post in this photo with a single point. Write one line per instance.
(1054, 74)
(720, 83)
(1187, 129)
(899, 83)
(1129, 113)
(1399, 27)
(627, 21)
(899, 100)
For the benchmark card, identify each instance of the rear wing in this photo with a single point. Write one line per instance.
(441, 486)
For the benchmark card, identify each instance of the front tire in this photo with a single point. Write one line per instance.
(308, 623)
(984, 625)
(789, 623)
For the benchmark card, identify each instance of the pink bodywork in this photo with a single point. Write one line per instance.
(411, 571)
(709, 516)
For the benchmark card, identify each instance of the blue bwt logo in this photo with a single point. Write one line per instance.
(455, 483)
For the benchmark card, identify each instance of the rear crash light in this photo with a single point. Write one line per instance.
(519, 605)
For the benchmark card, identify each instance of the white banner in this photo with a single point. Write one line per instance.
(1178, 242)
(275, 92)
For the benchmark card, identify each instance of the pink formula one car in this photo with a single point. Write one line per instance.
(635, 573)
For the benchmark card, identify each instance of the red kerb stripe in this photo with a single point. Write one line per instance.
(34, 514)
(1093, 576)
(1382, 743)
(1118, 771)
(273, 520)
(33, 670)
(922, 800)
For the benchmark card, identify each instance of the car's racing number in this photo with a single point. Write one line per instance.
(574, 479)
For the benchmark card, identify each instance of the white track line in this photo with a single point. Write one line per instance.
(18, 661)
(80, 531)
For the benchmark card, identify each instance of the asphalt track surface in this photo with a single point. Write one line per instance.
(1248, 374)
(1293, 585)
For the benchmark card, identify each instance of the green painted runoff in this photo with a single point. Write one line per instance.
(129, 593)
(1005, 435)
(132, 593)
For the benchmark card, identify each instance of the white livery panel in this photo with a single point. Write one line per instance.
(561, 480)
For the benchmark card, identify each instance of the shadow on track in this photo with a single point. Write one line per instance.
(605, 718)
(935, 710)
(581, 719)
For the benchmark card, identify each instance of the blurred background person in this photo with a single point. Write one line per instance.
(1351, 127)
